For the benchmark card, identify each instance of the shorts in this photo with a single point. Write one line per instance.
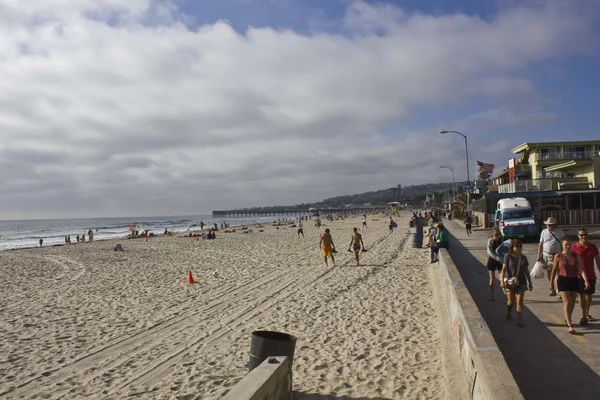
(547, 261)
(519, 289)
(356, 248)
(592, 288)
(300, 231)
(494, 265)
(468, 226)
(566, 284)
(327, 251)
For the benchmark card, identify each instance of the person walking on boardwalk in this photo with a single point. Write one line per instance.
(355, 242)
(468, 223)
(515, 265)
(300, 230)
(326, 243)
(550, 244)
(567, 265)
(588, 253)
(494, 261)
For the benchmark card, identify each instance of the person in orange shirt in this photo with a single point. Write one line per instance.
(326, 243)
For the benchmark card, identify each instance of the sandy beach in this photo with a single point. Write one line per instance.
(83, 321)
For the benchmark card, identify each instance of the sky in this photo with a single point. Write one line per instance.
(155, 107)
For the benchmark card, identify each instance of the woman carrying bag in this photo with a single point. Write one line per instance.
(494, 261)
(515, 279)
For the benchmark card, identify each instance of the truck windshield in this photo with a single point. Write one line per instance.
(518, 214)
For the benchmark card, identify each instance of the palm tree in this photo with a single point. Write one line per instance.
(460, 206)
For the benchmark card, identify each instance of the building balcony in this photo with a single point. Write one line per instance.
(566, 156)
(532, 185)
(545, 184)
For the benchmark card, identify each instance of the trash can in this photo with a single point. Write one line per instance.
(266, 344)
(418, 238)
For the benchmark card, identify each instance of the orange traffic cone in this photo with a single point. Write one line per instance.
(190, 277)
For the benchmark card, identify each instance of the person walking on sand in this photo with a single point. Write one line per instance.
(300, 230)
(364, 221)
(550, 244)
(41, 242)
(391, 225)
(355, 242)
(326, 243)
(515, 265)
(588, 253)
(494, 261)
(567, 265)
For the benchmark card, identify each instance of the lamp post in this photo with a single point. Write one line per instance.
(467, 157)
(453, 182)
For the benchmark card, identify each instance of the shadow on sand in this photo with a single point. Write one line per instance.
(314, 396)
(543, 366)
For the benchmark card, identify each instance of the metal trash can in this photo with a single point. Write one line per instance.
(266, 344)
(418, 239)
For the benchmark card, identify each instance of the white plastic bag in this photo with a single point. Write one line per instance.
(537, 272)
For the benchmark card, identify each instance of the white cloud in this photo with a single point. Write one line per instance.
(94, 115)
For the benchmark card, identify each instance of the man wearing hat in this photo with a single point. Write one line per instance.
(550, 244)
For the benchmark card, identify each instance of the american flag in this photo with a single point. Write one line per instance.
(484, 167)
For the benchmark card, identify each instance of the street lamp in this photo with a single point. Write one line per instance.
(467, 157)
(453, 182)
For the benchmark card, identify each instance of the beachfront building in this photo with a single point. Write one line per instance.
(560, 179)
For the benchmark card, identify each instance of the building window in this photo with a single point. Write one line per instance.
(548, 153)
(570, 174)
(574, 153)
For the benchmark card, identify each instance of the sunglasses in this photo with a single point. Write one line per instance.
(583, 235)
(519, 246)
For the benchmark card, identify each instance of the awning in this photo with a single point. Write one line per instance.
(568, 164)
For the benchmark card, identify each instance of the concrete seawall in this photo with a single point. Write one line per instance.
(271, 380)
(487, 372)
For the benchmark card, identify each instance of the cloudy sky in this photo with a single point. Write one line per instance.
(153, 107)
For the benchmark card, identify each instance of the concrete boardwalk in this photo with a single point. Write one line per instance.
(546, 361)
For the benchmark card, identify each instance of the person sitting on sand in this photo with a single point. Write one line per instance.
(326, 243)
(356, 241)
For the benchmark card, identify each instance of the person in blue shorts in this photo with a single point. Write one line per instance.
(355, 243)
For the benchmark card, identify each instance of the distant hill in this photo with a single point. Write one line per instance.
(413, 194)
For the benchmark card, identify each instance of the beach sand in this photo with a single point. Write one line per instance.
(83, 321)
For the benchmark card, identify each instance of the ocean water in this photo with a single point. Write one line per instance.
(27, 233)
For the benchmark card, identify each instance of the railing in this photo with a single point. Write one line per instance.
(572, 217)
(534, 185)
(566, 156)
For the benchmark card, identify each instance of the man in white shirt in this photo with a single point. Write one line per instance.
(550, 244)
(300, 230)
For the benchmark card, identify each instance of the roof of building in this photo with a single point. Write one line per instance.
(504, 172)
(529, 145)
